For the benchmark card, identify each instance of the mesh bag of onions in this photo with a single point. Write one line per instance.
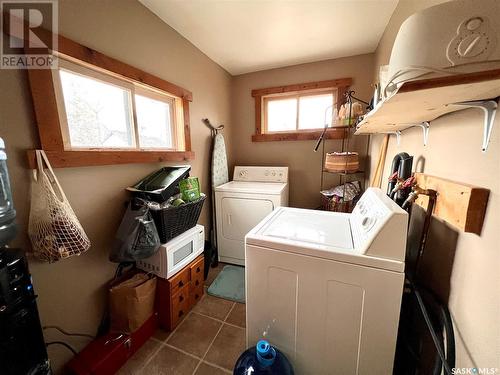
(54, 229)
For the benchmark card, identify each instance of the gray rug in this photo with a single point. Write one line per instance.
(229, 284)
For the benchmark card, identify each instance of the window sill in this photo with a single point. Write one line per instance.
(65, 159)
(304, 135)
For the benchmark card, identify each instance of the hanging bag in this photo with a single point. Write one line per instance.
(54, 229)
(137, 237)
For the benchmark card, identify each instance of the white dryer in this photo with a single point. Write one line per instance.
(242, 203)
(325, 288)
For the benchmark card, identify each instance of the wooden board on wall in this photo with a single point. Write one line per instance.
(459, 204)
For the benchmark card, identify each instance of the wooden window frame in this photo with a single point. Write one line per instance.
(133, 88)
(48, 116)
(296, 95)
(262, 96)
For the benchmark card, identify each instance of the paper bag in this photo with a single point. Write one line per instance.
(132, 302)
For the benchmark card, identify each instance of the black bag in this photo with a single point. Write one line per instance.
(137, 237)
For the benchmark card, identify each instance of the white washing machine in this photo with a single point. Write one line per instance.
(326, 287)
(242, 203)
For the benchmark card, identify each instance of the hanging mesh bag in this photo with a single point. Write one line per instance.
(54, 229)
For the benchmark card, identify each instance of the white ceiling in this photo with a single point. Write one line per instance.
(250, 35)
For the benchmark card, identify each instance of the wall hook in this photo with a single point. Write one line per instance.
(489, 108)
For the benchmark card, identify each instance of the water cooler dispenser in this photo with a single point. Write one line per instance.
(22, 347)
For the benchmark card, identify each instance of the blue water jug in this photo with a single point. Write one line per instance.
(262, 359)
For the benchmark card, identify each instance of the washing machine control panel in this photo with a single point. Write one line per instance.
(367, 213)
(261, 174)
(371, 215)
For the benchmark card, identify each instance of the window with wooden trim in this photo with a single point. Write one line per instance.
(95, 110)
(99, 111)
(298, 112)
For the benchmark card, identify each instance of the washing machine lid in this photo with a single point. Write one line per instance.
(252, 187)
(319, 228)
(321, 234)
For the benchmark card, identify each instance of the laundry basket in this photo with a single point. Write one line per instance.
(172, 221)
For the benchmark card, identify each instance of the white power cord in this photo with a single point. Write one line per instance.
(392, 86)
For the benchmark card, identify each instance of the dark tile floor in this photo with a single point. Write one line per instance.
(207, 342)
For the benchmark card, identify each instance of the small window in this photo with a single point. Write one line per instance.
(298, 112)
(155, 122)
(93, 110)
(98, 114)
(301, 112)
(281, 115)
(99, 111)
(316, 111)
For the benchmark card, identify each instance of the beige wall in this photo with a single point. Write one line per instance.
(304, 164)
(71, 292)
(464, 268)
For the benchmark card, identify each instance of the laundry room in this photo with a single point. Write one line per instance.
(250, 187)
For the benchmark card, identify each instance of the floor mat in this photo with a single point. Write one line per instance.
(229, 284)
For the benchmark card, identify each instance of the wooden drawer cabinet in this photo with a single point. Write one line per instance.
(195, 294)
(196, 268)
(177, 295)
(180, 305)
(181, 296)
(179, 280)
(197, 274)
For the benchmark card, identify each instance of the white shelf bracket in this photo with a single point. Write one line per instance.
(398, 136)
(426, 126)
(489, 108)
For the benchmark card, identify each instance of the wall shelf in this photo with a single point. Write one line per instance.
(419, 102)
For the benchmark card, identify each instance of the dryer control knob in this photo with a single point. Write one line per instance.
(368, 223)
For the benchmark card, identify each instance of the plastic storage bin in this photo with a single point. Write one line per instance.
(160, 185)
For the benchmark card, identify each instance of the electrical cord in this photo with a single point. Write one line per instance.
(434, 336)
(64, 332)
(446, 322)
(424, 69)
(67, 346)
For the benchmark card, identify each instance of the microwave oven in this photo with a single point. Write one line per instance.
(174, 255)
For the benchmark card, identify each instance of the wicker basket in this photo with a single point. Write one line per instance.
(342, 162)
(172, 221)
(337, 205)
